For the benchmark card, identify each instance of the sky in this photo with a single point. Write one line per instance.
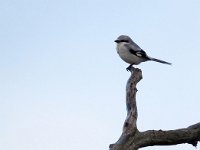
(62, 84)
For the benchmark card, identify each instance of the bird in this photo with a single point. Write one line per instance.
(132, 54)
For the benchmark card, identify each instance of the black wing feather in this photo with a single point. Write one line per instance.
(140, 53)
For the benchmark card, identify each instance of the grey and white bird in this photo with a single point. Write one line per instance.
(131, 53)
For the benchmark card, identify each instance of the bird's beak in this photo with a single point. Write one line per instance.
(117, 41)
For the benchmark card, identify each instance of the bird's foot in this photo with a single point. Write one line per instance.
(129, 68)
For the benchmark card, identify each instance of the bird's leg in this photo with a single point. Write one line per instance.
(129, 67)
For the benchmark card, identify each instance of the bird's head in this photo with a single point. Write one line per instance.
(123, 38)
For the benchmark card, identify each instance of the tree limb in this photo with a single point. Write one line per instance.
(132, 139)
(190, 135)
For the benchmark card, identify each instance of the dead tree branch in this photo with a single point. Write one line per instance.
(132, 139)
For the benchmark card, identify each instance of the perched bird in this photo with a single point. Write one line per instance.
(131, 53)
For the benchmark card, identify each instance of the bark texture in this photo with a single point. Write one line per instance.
(132, 139)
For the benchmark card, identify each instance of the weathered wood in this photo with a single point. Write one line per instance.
(130, 124)
(132, 139)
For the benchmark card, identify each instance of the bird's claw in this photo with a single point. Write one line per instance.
(129, 68)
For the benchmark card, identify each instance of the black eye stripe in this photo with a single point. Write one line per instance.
(124, 41)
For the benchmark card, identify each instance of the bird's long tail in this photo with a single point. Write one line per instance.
(160, 61)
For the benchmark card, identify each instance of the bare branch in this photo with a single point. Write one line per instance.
(132, 139)
(190, 135)
(130, 126)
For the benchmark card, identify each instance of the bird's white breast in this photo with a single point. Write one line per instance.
(125, 54)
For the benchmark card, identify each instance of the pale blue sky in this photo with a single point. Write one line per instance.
(62, 84)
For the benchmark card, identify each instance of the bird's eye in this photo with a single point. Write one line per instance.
(126, 41)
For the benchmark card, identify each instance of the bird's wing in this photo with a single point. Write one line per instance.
(137, 51)
(133, 46)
